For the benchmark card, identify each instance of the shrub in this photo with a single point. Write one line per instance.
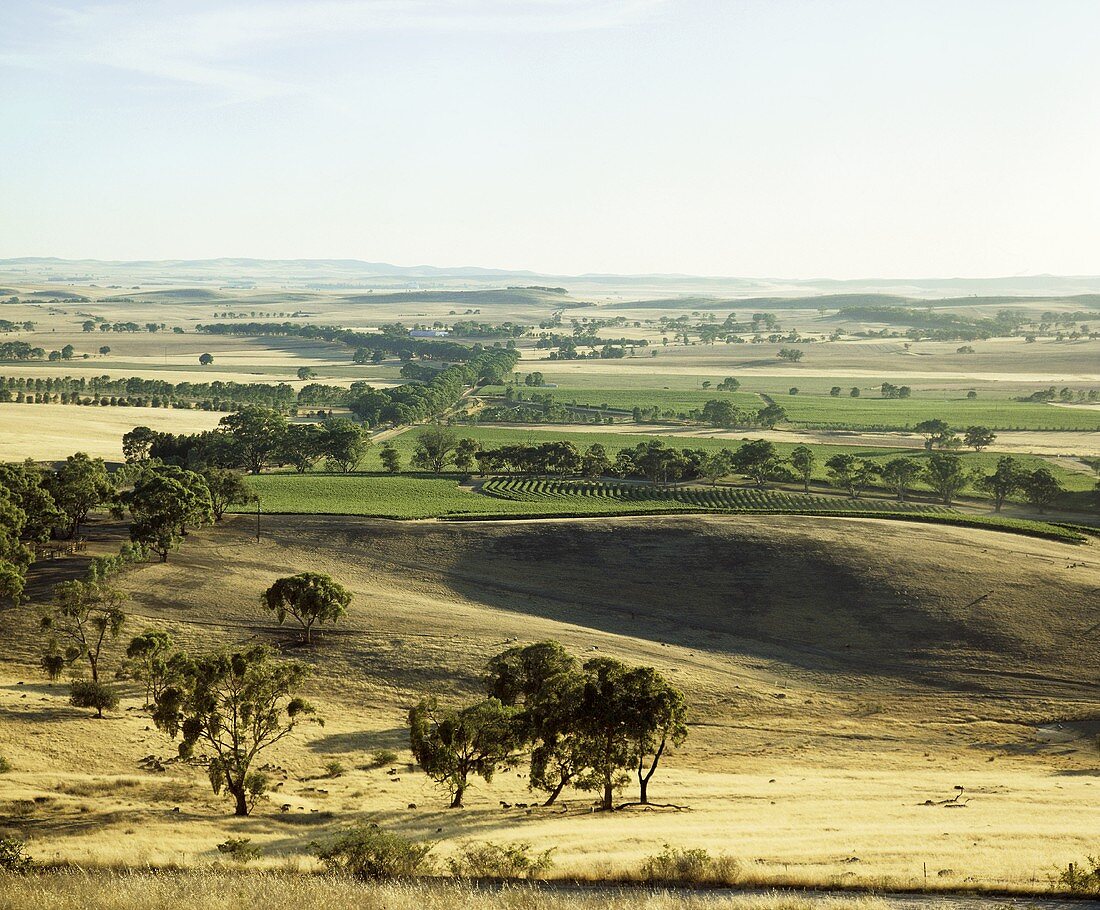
(335, 769)
(489, 860)
(690, 867)
(84, 693)
(5, 765)
(381, 757)
(13, 856)
(1081, 878)
(241, 849)
(371, 853)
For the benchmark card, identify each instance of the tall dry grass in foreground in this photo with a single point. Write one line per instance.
(219, 890)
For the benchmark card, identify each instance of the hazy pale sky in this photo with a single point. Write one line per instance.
(781, 138)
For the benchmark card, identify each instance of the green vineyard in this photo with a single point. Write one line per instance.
(564, 492)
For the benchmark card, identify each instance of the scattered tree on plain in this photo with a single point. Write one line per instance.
(310, 598)
(232, 706)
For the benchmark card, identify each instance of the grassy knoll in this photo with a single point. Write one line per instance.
(841, 676)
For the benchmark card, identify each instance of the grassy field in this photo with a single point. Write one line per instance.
(49, 432)
(838, 679)
(667, 399)
(218, 888)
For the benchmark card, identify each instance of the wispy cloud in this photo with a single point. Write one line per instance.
(220, 46)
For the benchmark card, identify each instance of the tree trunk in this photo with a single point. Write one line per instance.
(241, 801)
(608, 797)
(643, 780)
(456, 803)
(557, 791)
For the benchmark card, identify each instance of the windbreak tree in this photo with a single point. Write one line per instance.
(435, 446)
(343, 443)
(901, 474)
(803, 461)
(227, 488)
(231, 707)
(946, 475)
(1006, 479)
(256, 435)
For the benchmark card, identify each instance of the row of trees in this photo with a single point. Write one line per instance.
(254, 439)
(587, 726)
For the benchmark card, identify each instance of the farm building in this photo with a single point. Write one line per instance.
(428, 333)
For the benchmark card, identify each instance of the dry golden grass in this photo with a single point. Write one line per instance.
(53, 432)
(221, 890)
(838, 676)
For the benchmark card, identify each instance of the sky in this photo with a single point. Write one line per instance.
(762, 138)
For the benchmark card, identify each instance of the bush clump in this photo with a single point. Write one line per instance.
(240, 849)
(368, 852)
(1081, 878)
(490, 860)
(84, 693)
(13, 856)
(334, 769)
(5, 765)
(675, 865)
(379, 758)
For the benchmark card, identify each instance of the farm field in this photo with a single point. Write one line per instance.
(844, 412)
(837, 679)
(49, 432)
(613, 441)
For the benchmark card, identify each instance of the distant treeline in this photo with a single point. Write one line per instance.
(6, 325)
(938, 326)
(393, 339)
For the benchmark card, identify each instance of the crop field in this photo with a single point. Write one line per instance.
(494, 437)
(845, 412)
(666, 399)
(523, 489)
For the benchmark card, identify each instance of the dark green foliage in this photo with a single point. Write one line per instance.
(85, 693)
(13, 856)
(369, 853)
(231, 706)
(311, 598)
(453, 744)
(488, 860)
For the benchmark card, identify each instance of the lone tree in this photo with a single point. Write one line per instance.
(792, 355)
(979, 438)
(206, 359)
(1006, 479)
(232, 706)
(901, 474)
(311, 598)
(935, 432)
(450, 745)
(945, 474)
(435, 446)
(85, 616)
(86, 693)
(803, 461)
